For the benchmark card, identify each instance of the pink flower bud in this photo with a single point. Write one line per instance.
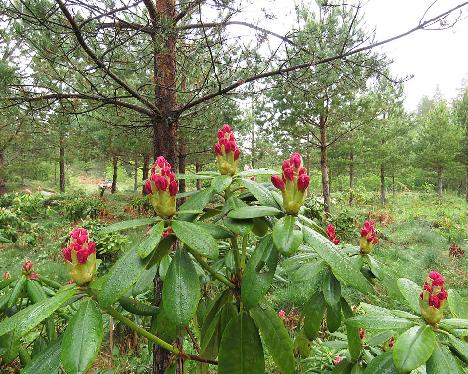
(434, 301)
(302, 171)
(443, 295)
(437, 278)
(427, 287)
(303, 182)
(227, 147)
(217, 148)
(33, 276)
(391, 342)
(296, 160)
(67, 254)
(161, 183)
(220, 134)
(282, 314)
(148, 186)
(27, 266)
(226, 128)
(236, 154)
(82, 255)
(337, 360)
(167, 232)
(173, 188)
(80, 235)
(277, 182)
(91, 247)
(226, 157)
(288, 174)
(331, 231)
(285, 165)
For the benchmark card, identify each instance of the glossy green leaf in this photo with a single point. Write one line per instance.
(379, 322)
(331, 289)
(380, 338)
(221, 182)
(17, 289)
(460, 347)
(241, 350)
(239, 226)
(28, 318)
(37, 294)
(352, 333)
(259, 272)
(121, 277)
(129, 224)
(196, 238)
(382, 364)
(313, 312)
(261, 193)
(215, 230)
(442, 361)
(163, 249)
(254, 172)
(181, 289)
(286, 237)
(340, 264)
(275, 337)
(253, 211)
(458, 305)
(413, 348)
(211, 320)
(310, 272)
(149, 243)
(46, 362)
(333, 317)
(198, 201)
(455, 323)
(410, 292)
(82, 338)
(261, 226)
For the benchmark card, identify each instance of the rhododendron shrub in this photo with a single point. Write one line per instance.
(218, 254)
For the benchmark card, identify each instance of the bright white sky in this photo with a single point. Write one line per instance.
(435, 58)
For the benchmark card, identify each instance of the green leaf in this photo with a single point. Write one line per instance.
(259, 272)
(130, 224)
(331, 288)
(198, 201)
(458, 305)
(254, 172)
(310, 272)
(196, 238)
(181, 289)
(455, 323)
(82, 338)
(442, 361)
(261, 193)
(275, 337)
(285, 237)
(28, 318)
(313, 312)
(239, 226)
(413, 348)
(333, 317)
(163, 249)
(46, 362)
(253, 211)
(382, 364)
(215, 230)
(352, 333)
(121, 277)
(340, 265)
(151, 242)
(17, 290)
(460, 347)
(410, 292)
(204, 175)
(221, 182)
(241, 350)
(379, 322)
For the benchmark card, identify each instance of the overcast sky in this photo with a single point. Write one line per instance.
(433, 57)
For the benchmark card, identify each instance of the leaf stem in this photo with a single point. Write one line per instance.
(245, 240)
(235, 249)
(209, 269)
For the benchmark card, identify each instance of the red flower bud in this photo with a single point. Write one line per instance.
(302, 171)
(167, 232)
(161, 183)
(277, 182)
(443, 294)
(217, 148)
(285, 165)
(27, 266)
(173, 188)
(82, 255)
(80, 235)
(281, 314)
(332, 235)
(148, 186)
(391, 342)
(296, 160)
(220, 134)
(236, 154)
(337, 360)
(303, 182)
(33, 276)
(226, 128)
(288, 174)
(67, 254)
(437, 278)
(434, 301)
(362, 333)
(427, 287)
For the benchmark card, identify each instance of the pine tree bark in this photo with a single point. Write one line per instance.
(2, 172)
(199, 181)
(135, 174)
(114, 174)
(382, 184)
(324, 164)
(351, 178)
(62, 164)
(439, 181)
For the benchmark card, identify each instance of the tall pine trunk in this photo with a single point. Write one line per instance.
(324, 164)
(114, 174)
(199, 181)
(146, 165)
(439, 181)
(2, 172)
(351, 178)
(382, 184)
(135, 174)
(62, 164)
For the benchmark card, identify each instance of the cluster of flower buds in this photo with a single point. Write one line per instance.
(6, 275)
(27, 268)
(227, 152)
(167, 232)
(433, 298)
(368, 237)
(337, 360)
(332, 235)
(162, 188)
(80, 256)
(293, 183)
(282, 314)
